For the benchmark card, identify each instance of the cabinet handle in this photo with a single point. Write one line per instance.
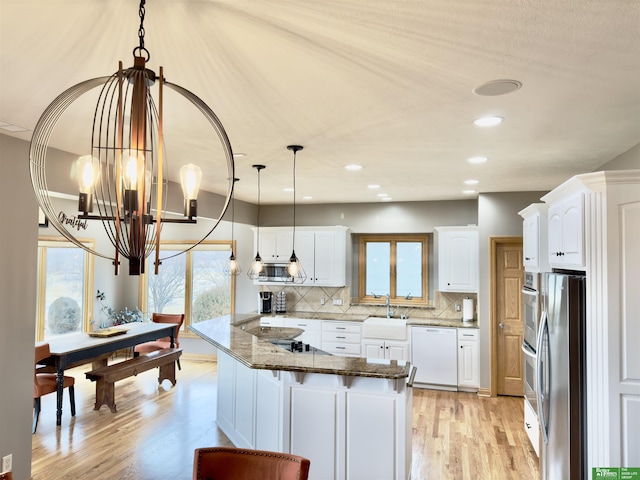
(341, 348)
(341, 328)
(381, 346)
(528, 426)
(338, 336)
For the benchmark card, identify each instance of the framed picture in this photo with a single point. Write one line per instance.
(43, 221)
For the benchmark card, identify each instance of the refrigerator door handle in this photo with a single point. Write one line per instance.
(540, 387)
(529, 352)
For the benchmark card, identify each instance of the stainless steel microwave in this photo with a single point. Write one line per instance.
(275, 272)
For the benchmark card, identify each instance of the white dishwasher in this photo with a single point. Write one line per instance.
(434, 353)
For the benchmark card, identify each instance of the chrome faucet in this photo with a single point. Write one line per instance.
(387, 303)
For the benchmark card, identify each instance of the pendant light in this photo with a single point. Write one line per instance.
(294, 268)
(257, 265)
(124, 174)
(233, 268)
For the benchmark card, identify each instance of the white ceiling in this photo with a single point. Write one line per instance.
(385, 84)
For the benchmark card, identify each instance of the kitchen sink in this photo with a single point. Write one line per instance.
(385, 328)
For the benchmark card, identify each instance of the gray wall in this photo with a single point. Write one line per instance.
(629, 160)
(497, 216)
(18, 264)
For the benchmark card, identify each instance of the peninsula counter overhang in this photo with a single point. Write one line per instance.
(256, 353)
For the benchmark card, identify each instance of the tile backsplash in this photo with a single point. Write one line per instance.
(337, 300)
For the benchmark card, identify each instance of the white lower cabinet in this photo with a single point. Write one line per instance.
(468, 359)
(387, 349)
(351, 428)
(342, 338)
(532, 427)
(312, 330)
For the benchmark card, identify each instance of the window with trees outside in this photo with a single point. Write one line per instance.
(65, 287)
(193, 283)
(394, 265)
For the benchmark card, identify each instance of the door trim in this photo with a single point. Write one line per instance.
(494, 242)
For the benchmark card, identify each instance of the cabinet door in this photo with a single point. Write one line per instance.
(373, 348)
(468, 364)
(396, 350)
(573, 230)
(566, 232)
(530, 247)
(267, 247)
(555, 233)
(284, 245)
(458, 261)
(325, 253)
(305, 251)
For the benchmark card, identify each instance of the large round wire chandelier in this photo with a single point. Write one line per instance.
(124, 178)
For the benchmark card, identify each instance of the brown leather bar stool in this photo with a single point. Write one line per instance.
(223, 463)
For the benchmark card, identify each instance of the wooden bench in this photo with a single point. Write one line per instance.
(105, 377)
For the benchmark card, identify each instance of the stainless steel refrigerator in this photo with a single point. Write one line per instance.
(561, 376)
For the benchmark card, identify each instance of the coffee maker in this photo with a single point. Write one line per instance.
(265, 302)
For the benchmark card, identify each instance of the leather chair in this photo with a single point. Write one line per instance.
(223, 463)
(45, 383)
(6, 476)
(178, 319)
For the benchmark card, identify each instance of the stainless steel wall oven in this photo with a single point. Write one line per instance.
(531, 319)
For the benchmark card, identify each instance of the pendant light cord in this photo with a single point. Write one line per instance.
(293, 244)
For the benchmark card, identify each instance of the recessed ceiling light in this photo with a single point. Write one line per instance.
(383, 195)
(373, 186)
(471, 182)
(287, 189)
(307, 197)
(497, 87)
(477, 159)
(468, 192)
(353, 167)
(386, 199)
(238, 155)
(488, 121)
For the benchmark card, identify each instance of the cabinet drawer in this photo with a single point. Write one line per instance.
(532, 427)
(342, 327)
(469, 334)
(341, 337)
(272, 321)
(350, 349)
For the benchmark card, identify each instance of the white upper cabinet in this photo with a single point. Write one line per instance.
(458, 259)
(275, 245)
(566, 232)
(321, 251)
(534, 237)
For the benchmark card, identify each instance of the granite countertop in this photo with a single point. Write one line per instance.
(227, 334)
(345, 317)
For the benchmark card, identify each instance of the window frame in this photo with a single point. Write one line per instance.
(44, 243)
(393, 239)
(182, 245)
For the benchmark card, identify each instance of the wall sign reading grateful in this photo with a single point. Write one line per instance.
(72, 221)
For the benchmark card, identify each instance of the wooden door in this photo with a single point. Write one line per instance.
(508, 318)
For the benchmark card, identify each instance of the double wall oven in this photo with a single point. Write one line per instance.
(531, 317)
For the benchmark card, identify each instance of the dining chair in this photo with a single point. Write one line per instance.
(225, 463)
(162, 343)
(6, 476)
(45, 383)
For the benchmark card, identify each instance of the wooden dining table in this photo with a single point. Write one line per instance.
(76, 349)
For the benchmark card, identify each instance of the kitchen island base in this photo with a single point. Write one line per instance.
(350, 427)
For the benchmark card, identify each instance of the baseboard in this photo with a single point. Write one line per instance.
(484, 392)
(199, 357)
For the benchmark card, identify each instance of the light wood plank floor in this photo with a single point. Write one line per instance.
(156, 429)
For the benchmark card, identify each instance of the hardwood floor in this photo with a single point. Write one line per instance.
(156, 429)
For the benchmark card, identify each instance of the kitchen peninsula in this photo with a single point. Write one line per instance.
(350, 416)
